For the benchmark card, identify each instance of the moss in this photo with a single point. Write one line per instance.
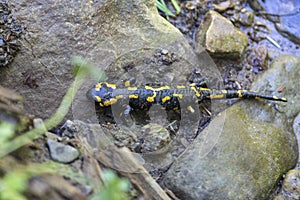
(264, 150)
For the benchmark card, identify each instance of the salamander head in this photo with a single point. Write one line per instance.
(102, 93)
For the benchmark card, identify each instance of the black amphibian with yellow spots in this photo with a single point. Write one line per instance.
(142, 98)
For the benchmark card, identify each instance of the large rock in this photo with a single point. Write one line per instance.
(220, 38)
(256, 144)
(123, 38)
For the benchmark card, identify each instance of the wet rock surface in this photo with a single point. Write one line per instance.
(286, 17)
(220, 38)
(256, 145)
(262, 34)
(289, 26)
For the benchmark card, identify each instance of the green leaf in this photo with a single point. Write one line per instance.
(7, 131)
(12, 185)
(115, 188)
(176, 6)
(162, 6)
(84, 68)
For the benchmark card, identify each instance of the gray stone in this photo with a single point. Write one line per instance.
(246, 18)
(255, 147)
(93, 134)
(220, 38)
(223, 6)
(61, 152)
(291, 186)
(155, 137)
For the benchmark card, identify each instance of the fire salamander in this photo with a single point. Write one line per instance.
(142, 98)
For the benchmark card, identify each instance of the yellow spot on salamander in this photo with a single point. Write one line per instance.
(178, 95)
(119, 97)
(284, 99)
(110, 102)
(192, 84)
(274, 97)
(148, 87)
(162, 88)
(150, 99)
(127, 83)
(132, 88)
(204, 89)
(224, 91)
(216, 96)
(191, 109)
(98, 86)
(133, 96)
(113, 86)
(166, 98)
(240, 95)
(98, 98)
(107, 103)
(180, 86)
(196, 91)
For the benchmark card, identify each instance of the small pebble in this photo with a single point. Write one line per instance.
(248, 67)
(164, 51)
(246, 18)
(62, 153)
(223, 6)
(70, 126)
